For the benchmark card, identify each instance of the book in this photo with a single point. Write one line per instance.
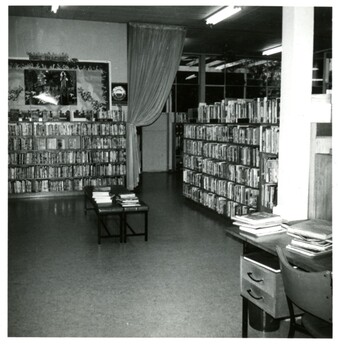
(314, 228)
(312, 245)
(266, 225)
(51, 143)
(265, 231)
(258, 218)
(306, 252)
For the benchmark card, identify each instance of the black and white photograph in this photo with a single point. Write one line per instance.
(170, 174)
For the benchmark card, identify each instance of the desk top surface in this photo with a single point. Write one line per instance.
(269, 244)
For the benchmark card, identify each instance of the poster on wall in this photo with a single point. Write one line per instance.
(119, 93)
(76, 85)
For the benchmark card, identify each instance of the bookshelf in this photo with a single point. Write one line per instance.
(63, 157)
(225, 152)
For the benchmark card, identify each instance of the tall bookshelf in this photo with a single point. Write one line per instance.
(55, 157)
(224, 152)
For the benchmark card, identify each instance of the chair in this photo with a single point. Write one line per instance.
(312, 293)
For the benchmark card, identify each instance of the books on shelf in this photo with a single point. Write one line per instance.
(311, 237)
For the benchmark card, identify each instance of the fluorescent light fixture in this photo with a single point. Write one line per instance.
(222, 14)
(315, 68)
(214, 63)
(55, 8)
(192, 76)
(231, 64)
(272, 51)
(317, 79)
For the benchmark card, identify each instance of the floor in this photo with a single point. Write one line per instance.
(183, 282)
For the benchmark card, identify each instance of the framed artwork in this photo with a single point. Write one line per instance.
(119, 93)
(81, 85)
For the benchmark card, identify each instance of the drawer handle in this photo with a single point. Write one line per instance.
(254, 279)
(252, 296)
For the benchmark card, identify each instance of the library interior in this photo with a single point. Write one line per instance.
(170, 172)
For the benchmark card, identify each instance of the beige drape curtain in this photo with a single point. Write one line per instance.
(154, 53)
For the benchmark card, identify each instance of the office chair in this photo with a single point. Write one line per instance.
(312, 293)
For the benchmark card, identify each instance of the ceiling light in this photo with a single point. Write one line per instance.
(272, 51)
(222, 14)
(55, 8)
(231, 64)
(192, 76)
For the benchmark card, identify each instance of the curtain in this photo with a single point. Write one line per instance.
(154, 53)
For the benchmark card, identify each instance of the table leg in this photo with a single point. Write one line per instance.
(98, 229)
(244, 317)
(146, 226)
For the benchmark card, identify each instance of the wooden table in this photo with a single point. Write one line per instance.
(105, 210)
(269, 244)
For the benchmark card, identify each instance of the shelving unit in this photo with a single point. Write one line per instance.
(63, 157)
(222, 162)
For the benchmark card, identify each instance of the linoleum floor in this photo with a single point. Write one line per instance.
(183, 282)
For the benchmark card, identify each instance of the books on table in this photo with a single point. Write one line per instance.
(128, 200)
(258, 219)
(102, 195)
(259, 224)
(311, 237)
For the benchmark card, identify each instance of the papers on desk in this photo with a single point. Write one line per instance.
(259, 224)
(311, 237)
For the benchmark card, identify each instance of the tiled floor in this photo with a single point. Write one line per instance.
(183, 282)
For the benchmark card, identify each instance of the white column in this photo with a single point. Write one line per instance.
(296, 85)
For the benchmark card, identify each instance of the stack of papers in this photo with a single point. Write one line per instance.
(128, 200)
(311, 237)
(259, 224)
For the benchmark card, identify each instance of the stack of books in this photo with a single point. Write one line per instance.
(311, 238)
(102, 195)
(127, 200)
(259, 224)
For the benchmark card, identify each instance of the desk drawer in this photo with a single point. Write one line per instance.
(263, 288)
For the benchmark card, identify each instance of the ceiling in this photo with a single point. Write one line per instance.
(246, 34)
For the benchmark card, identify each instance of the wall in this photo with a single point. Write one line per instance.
(84, 40)
(155, 148)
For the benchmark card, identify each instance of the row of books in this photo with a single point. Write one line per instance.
(233, 153)
(269, 195)
(71, 142)
(67, 157)
(260, 110)
(238, 173)
(242, 134)
(82, 129)
(241, 174)
(103, 142)
(270, 170)
(37, 171)
(222, 205)
(33, 186)
(270, 140)
(181, 117)
(223, 188)
(65, 129)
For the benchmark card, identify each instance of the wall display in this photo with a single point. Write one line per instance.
(119, 93)
(52, 85)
